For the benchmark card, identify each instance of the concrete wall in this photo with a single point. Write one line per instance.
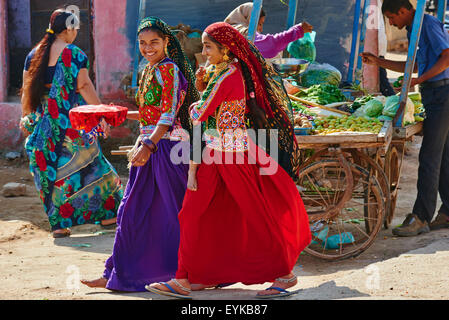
(19, 39)
(19, 24)
(371, 73)
(3, 50)
(11, 138)
(332, 21)
(113, 58)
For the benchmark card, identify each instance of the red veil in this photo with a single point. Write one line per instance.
(269, 91)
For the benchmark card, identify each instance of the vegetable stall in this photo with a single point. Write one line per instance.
(351, 144)
(351, 162)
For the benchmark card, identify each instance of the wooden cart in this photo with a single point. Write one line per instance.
(349, 187)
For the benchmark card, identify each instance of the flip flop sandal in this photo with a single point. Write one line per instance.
(282, 293)
(172, 292)
(58, 235)
(111, 226)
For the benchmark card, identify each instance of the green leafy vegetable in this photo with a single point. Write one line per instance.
(322, 94)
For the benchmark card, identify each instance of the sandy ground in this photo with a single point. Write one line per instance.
(37, 267)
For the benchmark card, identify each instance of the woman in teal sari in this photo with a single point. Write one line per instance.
(76, 183)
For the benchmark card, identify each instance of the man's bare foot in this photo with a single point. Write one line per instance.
(285, 282)
(97, 283)
(192, 183)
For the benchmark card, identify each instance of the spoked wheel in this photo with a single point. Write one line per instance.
(374, 167)
(345, 207)
(392, 169)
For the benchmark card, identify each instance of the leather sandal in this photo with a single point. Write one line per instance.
(64, 234)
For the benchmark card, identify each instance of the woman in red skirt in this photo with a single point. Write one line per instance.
(245, 220)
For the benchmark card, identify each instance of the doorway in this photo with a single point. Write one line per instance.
(28, 20)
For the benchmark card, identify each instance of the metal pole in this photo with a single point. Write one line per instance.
(141, 15)
(355, 40)
(255, 14)
(362, 37)
(410, 65)
(291, 18)
(442, 10)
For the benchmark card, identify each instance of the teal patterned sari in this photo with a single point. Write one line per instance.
(76, 183)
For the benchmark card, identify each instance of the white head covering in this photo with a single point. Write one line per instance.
(239, 17)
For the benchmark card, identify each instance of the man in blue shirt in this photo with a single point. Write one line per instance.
(432, 65)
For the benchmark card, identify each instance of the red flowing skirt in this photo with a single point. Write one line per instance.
(241, 225)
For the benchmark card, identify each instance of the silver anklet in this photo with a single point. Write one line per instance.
(181, 286)
(289, 280)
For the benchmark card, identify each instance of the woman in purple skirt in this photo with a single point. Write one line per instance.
(147, 237)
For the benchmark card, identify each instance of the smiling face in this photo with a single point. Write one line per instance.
(152, 45)
(212, 50)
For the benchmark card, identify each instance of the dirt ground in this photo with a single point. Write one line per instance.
(37, 267)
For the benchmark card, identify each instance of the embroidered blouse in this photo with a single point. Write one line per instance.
(162, 90)
(222, 108)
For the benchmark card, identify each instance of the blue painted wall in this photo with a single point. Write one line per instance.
(332, 20)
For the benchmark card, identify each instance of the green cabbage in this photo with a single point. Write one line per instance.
(320, 74)
(373, 108)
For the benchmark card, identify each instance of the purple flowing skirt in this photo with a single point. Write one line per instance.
(147, 235)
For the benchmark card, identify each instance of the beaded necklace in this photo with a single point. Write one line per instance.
(215, 73)
(145, 82)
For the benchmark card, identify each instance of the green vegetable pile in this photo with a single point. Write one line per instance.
(299, 108)
(398, 82)
(332, 124)
(360, 101)
(320, 74)
(371, 109)
(322, 94)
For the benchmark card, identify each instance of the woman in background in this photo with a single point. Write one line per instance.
(269, 45)
(76, 183)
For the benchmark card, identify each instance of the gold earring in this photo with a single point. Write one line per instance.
(166, 51)
(225, 56)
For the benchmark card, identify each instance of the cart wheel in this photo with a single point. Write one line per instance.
(344, 217)
(393, 163)
(375, 169)
(365, 161)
